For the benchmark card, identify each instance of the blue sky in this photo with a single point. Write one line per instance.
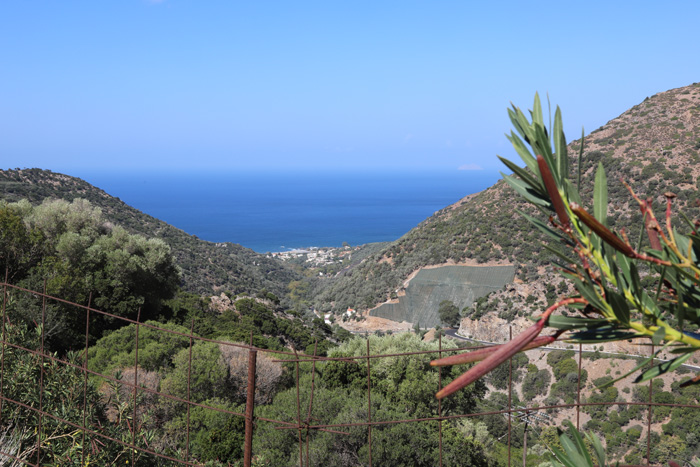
(224, 84)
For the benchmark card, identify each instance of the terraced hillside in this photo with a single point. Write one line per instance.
(654, 146)
(207, 267)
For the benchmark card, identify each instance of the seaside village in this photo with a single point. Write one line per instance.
(319, 257)
(316, 256)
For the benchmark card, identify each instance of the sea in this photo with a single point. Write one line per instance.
(271, 211)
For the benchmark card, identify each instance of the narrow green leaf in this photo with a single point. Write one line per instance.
(587, 292)
(524, 175)
(542, 147)
(545, 228)
(560, 145)
(683, 350)
(662, 368)
(691, 224)
(684, 246)
(600, 195)
(523, 126)
(642, 364)
(684, 272)
(634, 277)
(623, 265)
(537, 110)
(649, 305)
(680, 312)
(526, 192)
(601, 335)
(517, 119)
(572, 453)
(658, 336)
(598, 449)
(575, 322)
(619, 306)
(549, 113)
(561, 255)
(580, 445)
(580, 158)
(523, 151)
(558, 457)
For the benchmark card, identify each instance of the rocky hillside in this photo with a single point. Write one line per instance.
(207, 267)
(654, 146)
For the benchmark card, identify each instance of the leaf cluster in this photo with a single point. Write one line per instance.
(606, 269)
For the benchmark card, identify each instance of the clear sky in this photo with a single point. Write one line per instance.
(226, 84)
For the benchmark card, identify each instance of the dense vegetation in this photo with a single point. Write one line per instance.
(402, 387)
(69, 249)
(206, 267)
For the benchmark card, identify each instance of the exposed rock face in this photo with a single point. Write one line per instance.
(220, 303)
(491, 328)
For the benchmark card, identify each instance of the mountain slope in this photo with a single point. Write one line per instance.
(654, 146)
(207, 267)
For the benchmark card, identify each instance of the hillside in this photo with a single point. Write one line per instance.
(207, 267)
(462, 285)
(654, 146)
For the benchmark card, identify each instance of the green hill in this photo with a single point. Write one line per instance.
(207, 267)
(654, 146)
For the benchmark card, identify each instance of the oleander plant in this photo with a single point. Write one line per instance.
(613, 299)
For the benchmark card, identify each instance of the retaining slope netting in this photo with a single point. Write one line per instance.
(462, 285)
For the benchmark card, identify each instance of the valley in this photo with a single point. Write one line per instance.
(477, 259)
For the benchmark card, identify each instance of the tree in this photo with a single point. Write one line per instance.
(401, 388)
(449, 313)
(79, 255)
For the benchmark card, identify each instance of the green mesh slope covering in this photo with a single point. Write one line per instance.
(459, 284)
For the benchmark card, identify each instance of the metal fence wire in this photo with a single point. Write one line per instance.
(90, 439)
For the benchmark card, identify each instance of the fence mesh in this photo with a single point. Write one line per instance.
(55, 406)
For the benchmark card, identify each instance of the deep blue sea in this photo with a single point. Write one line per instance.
(277, 211)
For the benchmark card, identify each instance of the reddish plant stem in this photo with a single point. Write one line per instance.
(610, 238)
(504, 352)
(551, 185)
(478, 355)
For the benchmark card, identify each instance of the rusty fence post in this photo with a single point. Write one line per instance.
(440, 401)
(250, 405)
(189, 391)
(301, 444)
(369, 406)
(85, 377)
(510, 395)
(649, 413)
(4, 339)
(578, 386)
(134, 421)
(41, 375)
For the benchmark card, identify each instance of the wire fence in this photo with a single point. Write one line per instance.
(89, 438)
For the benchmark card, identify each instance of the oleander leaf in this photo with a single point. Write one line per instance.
(560, 145)
(523, 151)
(603, 334)
(600, 195)
(619, 306)
(526, 192)
(524, 175)
(662, 368)
(575, 322)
